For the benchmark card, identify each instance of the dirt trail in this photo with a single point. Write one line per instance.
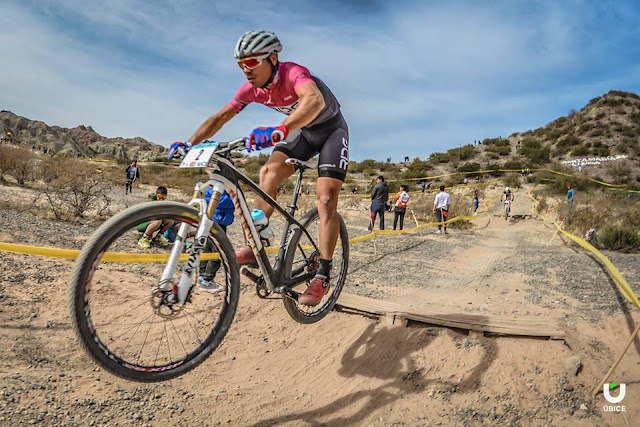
(347, 369)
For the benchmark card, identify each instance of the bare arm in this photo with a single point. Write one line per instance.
(311, 104)
(212, 125)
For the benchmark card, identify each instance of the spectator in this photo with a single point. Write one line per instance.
(406, 159)
(150, 227)
(354, 190)
(133, 173)
(223, 215)
(379, 197)
(570, 195)
(441, 209)
(476, 201)
(401, 199)
(423, 186)
(465, 181)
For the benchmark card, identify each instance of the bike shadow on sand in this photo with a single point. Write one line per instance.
(387, 353)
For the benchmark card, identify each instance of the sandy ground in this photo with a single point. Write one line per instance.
(347, 369)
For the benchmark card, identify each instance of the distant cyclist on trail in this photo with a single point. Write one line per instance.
(507, 195)
(314, 124)
(508, 199)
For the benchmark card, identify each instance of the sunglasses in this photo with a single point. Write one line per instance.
(251, 63)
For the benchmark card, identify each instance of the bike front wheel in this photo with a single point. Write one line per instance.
(302, 259)
(126, 319)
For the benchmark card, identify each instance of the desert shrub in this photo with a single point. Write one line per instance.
(462, 153)
(498, 142)
(20, 163)
(500, 150)
(416, 169)
(469, 167)
(599, 149)
(495, 169)
(439, 158)
(619, 238)
(580, 150)
(75, 188)
(554, 134)
(512, 180)
(568, 141)
(513, 164)
(533, 150)
(612, 102)
(619, 170)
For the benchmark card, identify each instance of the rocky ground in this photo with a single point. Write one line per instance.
(347, 369)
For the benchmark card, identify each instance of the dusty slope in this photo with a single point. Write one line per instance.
(348, 369)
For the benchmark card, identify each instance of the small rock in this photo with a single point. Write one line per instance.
(583, 407)
(568, 387)
(573, 365)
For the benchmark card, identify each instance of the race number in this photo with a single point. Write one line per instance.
(198, 157)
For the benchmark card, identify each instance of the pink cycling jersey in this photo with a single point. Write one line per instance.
(281, 94)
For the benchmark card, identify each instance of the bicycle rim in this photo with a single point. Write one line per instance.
(122, 318)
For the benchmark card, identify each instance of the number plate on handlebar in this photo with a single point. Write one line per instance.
(199, 156)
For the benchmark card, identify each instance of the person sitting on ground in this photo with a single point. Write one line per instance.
(223, 215)
(441, 209)
(132, 173)
(401, 199)
(150, 227)
(379, 198)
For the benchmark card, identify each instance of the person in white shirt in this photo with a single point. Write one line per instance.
(441, 209)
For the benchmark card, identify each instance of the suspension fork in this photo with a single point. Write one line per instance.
(200, 240)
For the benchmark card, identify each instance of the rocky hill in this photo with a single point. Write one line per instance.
(608, 126)
(79, 141)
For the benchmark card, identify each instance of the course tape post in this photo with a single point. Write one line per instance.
(617, 277)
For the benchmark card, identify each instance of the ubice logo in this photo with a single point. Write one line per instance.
(606, 390)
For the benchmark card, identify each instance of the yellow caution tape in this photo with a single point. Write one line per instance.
(617, 277)
(149, 258)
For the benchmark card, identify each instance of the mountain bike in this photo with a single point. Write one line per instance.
(507, 209)
(139, 313)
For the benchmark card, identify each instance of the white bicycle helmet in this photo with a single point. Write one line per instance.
(507, 190)
(253, 43)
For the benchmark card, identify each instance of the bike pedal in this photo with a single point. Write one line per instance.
(252, 276)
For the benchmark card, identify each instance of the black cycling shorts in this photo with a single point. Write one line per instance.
(330, 139)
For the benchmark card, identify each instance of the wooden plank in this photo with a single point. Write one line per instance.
(480, 323)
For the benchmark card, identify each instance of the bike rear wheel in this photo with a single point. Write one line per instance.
(122, 317)
(301, 258)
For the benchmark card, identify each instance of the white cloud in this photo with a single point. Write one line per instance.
(432, 75)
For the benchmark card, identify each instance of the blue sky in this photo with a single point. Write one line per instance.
(413, 77)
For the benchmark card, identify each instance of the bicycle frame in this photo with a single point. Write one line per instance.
(226, 177)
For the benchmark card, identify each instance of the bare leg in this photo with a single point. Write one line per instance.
(328, 190)
(271, 175)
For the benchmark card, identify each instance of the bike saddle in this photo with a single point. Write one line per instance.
(311, 164)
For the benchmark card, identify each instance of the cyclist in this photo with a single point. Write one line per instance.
(314, 125)
(508, 196)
